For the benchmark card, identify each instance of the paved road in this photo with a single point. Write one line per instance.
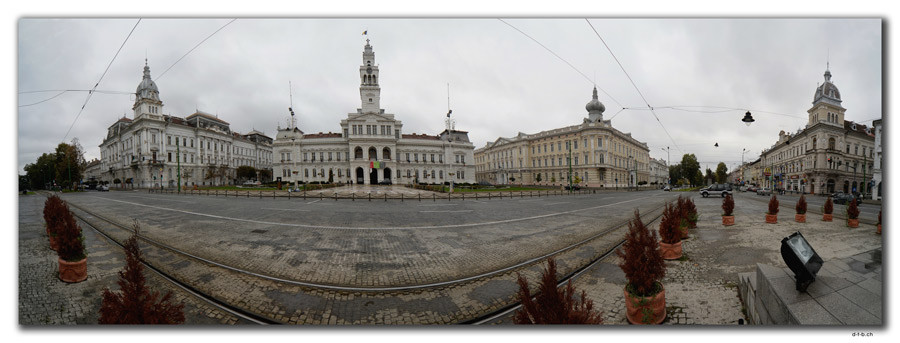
(868, 212)
(362, 243)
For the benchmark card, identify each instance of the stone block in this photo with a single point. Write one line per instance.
(872, 285)
(818, 288)
(834, 266)
(863, 298)
(846, 311)
(833, 282)
(809, 312)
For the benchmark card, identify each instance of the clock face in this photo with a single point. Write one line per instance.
(369, 70)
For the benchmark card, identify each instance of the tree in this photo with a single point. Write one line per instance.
(690, 169)
(265, 175)
(721, 173)
(675, 172)
(552, 178)
(552, 305)
(135, 303)
(69, 163)
(577, 179)
(246, 172)
(538, 177)
(42, 172)
(710, 177)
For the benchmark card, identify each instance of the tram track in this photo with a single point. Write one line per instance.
(261, 318)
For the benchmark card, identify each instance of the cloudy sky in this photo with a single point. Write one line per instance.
(502, 81)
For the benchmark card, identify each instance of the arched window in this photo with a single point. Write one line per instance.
(373, 154)
(814, 143)
(386, 153)
(831, 143)
(358, 152)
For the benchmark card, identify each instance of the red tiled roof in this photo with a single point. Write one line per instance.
(848, 125)
(207, 116)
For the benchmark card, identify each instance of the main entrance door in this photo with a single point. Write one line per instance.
(359, 176)
(373, 177)
(387, 174)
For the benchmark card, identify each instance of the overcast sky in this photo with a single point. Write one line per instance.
(501, 81)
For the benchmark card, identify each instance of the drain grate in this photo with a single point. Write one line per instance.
(259, 231)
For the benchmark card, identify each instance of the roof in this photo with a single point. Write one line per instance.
(322, 135)
(848, 125)
(207, 116)
(421, 136)
(125, 119)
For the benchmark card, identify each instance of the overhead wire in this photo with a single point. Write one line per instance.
(635, 85)
(91, 92)
(564, 60)
(195, 47)
(61, 92)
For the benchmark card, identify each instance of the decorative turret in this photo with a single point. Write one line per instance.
(827, 104)
(595, 109)
(146, 101)
(369, 90)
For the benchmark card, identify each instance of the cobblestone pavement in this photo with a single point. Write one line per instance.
(45, 300)
(702, 288)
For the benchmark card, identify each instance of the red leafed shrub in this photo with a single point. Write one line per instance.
(135, 304)
(71, 241)
(642, 261)
(852, 210)
(552, 305)
(728, 205)
(668, 225)
(829, 206)
(53, 211)
(801, 205)
(690, 210)
(773, 205)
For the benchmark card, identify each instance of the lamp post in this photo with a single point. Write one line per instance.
(668, 164)
(569, 162)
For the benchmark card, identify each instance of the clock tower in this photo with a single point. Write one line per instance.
(369, 91)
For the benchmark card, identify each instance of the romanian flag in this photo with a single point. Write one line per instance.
(375, 165)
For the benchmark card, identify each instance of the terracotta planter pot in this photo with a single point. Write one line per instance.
(54, 243)
(879, 229)
(771, 218)
(655, 305)
(670, 251)
(827, 217)
(800, 218)
(853, 222)
(684, 231)
(73, 271)
(728, 220)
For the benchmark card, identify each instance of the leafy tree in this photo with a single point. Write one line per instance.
(721, 172)
(675, 172)
(246, 172)
(69, 163)
(135, 303)
(538, 177)
(710, 177)
(42, 172)
(553, 178)
(690, 169)
(265, 175)
(552, 305)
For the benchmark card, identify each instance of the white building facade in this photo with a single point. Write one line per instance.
(829, 155)
(371, 147)
(157, 150)
(877, 192)
(659, 172)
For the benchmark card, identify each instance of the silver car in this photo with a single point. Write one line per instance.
(717, 189)
(763, 191)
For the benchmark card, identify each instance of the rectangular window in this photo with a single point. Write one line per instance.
(416, 158)
(551, 147)
(322, 156)
(576, 144)
(576, 161)
(169, 140)
(441, 157)
(368, 129)
(170, 157)
(432, 158)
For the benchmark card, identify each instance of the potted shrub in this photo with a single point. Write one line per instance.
(553, 305)
(879, 223)
(827, 209)
(53, 208)
(645, 297)
(692, 215)
(683, 222)
(853, 214)
(728, 208)
(800, 217)
(772, 214)
(670, 234)
(135, 304)
(72, 258)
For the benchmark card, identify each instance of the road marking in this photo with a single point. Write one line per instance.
(458, 211)
(556, 203)
(146, 197)
(430, 205)
(313, 202)
(283, 209)
(505, 221)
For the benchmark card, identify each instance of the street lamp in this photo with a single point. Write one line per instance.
(748, 119)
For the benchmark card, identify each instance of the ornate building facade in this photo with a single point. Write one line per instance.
(592, 154)
(371, 147)
(829, 155)
(659, 172)
(153, 149)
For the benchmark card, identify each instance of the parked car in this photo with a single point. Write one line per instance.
(743, 188)
(384, 182)
(763, 191)
(845, 198)
(103, 188)
(717, 189)
(667, 188)
(752, 188)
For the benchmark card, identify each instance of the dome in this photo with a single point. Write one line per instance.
(595, 105)
(827, 91)
(147, 88)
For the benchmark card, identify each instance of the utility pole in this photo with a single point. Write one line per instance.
(569, 148)
(178, 163)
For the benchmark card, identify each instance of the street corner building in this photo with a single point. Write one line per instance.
(371, 147)
(828, 155)
(153, 149)
(590, 154)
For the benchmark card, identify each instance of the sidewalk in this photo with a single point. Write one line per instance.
(45, 300)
